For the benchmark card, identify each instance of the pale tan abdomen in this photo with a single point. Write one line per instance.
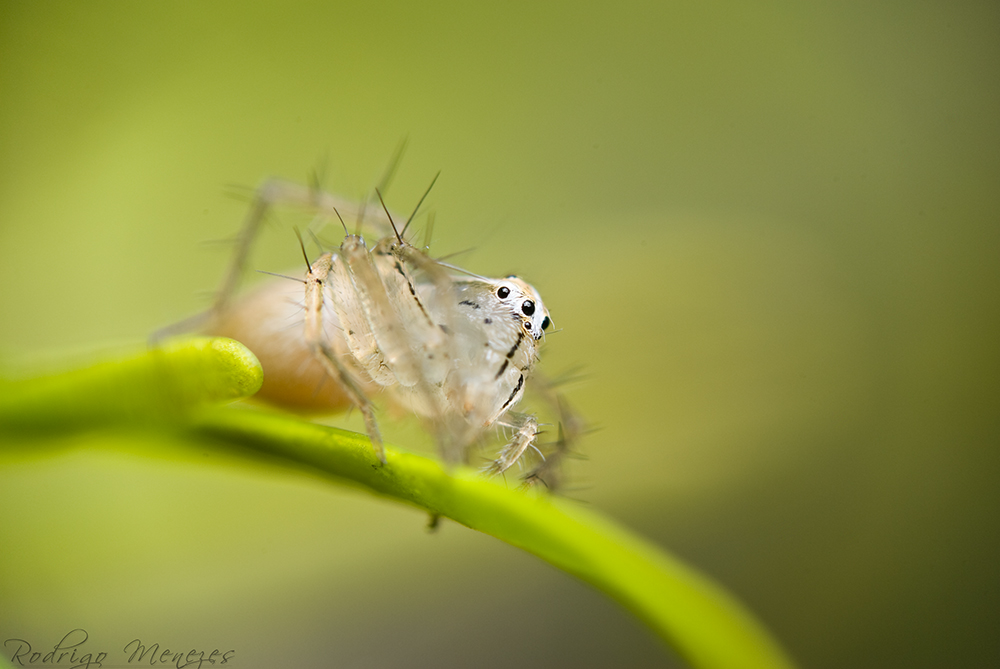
(269, 321)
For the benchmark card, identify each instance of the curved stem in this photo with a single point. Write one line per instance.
(705, 624)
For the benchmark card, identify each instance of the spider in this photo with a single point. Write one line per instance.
(455, 348)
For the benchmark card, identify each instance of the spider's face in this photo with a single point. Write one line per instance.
(524, 304)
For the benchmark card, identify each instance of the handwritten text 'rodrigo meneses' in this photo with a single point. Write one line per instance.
(71, 652)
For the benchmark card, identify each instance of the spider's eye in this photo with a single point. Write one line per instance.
(503, 292)
(528, 307)
(546, 323)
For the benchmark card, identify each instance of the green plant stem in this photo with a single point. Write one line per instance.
(699, 619)
(153, 386)
(706, 625)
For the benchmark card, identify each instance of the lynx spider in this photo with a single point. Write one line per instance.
(453, 347)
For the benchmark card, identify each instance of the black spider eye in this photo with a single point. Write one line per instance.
(546, 323)
(528, 307)
(503, 292)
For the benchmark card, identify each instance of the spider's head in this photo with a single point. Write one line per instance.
(524, 303)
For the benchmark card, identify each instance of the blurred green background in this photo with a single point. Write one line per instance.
(769, 233)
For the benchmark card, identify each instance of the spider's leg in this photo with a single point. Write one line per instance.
(321, 348)
(389, 332)
(571, 428)
(277, 193)
(525, 430)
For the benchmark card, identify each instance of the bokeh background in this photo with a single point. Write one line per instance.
(767, 231)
